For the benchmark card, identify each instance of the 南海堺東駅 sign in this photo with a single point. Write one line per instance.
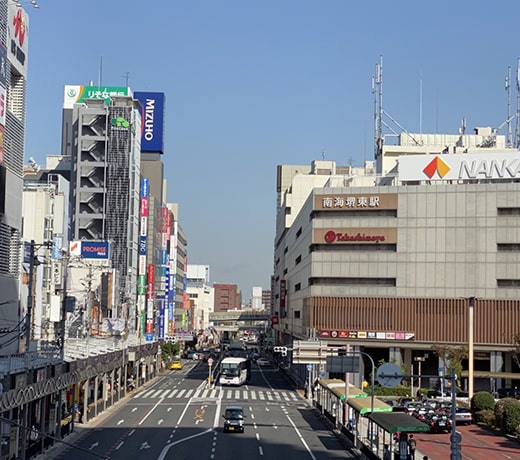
(461, 166)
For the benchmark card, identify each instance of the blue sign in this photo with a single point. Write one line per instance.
(27, 252)
(309, 367)
(57, 245)
(95, 249)
(144, 188)
(142, 245)
(149, 337)
(152, 121)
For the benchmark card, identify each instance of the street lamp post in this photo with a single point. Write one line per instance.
(471, 326)
(420, 360)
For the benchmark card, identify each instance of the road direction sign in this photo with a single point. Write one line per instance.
(389, 375)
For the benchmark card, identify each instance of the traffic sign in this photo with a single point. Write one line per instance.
(389, 375)
(210, 361)
(309, 352)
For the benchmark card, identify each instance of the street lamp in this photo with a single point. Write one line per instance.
(471, 330)
(420, 360)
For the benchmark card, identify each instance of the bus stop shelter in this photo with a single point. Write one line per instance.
(389, 424)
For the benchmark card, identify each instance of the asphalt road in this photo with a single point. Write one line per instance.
(178, 417)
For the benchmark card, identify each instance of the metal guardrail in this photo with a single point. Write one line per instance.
(74, 349)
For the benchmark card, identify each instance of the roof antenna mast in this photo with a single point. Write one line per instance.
(517, 129)
(508, 90)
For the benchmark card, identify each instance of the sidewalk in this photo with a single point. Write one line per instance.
(82, 429)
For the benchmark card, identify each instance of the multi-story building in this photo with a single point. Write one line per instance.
(422, 261)
(14, 53)
(227, 297)
(45, 213)
(200, 293)
(103, 138)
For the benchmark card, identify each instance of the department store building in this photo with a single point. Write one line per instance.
(399, 264)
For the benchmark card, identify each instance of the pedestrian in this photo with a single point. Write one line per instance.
(387, 454)
(412, 444)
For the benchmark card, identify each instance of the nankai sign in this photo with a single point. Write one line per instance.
(462, 166)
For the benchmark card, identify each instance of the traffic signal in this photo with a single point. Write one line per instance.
(282, 350)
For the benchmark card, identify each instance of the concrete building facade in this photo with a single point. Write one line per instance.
(399, 270)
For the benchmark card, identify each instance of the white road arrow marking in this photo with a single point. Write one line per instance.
(169, 409)
(160, 422)
(134, 409)
(94, 445)
(145, 445)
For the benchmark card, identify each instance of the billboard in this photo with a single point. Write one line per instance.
(75, 94)
(460, 166)
(152, 123)
(90, 249)
(18, 38)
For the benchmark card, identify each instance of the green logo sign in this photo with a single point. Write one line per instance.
(119, 122)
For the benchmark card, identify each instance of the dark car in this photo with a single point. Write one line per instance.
(438, 423)
(234, 419)
(508, 393)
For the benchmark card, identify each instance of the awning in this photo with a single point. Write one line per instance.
(364, 405)
(398, 422)
(337, 387)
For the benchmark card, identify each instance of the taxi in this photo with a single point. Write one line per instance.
(176, 364)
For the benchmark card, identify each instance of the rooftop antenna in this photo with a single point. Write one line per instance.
(100, 71)
(323, 154)
(508, 90)
(420, 104)
(377, 91)
(127, 78)
(517, 129)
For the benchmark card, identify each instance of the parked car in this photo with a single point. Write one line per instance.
(508, 393)
(234, 419)
(463, 416)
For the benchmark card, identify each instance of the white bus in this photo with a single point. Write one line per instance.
(234, 371)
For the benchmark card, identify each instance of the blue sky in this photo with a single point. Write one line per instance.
(253, 84)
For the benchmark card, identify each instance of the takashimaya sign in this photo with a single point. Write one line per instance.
(355, 202)
(354, 236)
(462, 166)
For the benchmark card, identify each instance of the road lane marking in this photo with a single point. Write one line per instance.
(260, 450)
(150, 411)
(301, 437)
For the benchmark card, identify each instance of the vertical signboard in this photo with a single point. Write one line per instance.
(18, 38)
(152, 123)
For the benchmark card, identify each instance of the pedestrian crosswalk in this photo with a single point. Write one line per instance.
(220, 393)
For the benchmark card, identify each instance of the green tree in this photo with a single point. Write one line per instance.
(453, 356)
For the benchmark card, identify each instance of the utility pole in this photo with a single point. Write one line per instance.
(30, 298)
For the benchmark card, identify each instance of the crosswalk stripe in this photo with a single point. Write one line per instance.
(215, 393)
